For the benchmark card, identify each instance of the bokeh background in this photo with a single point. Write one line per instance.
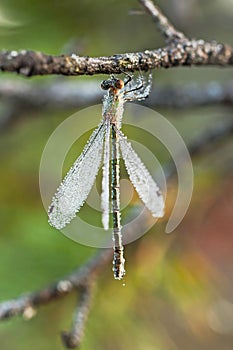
(179, 287)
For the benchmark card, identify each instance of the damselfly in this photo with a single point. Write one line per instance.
(107, 141)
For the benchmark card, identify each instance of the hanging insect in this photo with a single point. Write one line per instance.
(108, 139)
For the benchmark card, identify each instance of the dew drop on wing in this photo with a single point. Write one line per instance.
(75, 187)
(141, 179)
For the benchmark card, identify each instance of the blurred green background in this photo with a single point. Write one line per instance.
(178, 292)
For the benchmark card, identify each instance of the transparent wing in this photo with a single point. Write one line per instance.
(141, 179)
(74, 189)
(105, 180)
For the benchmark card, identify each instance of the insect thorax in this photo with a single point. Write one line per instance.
(113, 105)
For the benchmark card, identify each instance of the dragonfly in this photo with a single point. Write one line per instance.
(107, 143)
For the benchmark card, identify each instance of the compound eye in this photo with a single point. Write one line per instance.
(119, 84)
(105, 85)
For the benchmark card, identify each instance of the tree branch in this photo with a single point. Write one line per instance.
(181, 51)
(163, 24)
(80, 277)
(186, 53)
(74, 338)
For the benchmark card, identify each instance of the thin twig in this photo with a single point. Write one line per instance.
(164, 25)
(59, 289)
(74, 338)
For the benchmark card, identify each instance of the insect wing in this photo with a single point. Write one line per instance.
(105, 180)
(74, 189)
(141, 179)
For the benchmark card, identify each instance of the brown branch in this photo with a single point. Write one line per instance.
(78, 278)
(181, 51)
(163, 24)
(74, 338)
(185, 53)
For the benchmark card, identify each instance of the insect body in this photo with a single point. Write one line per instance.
(108, 141)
